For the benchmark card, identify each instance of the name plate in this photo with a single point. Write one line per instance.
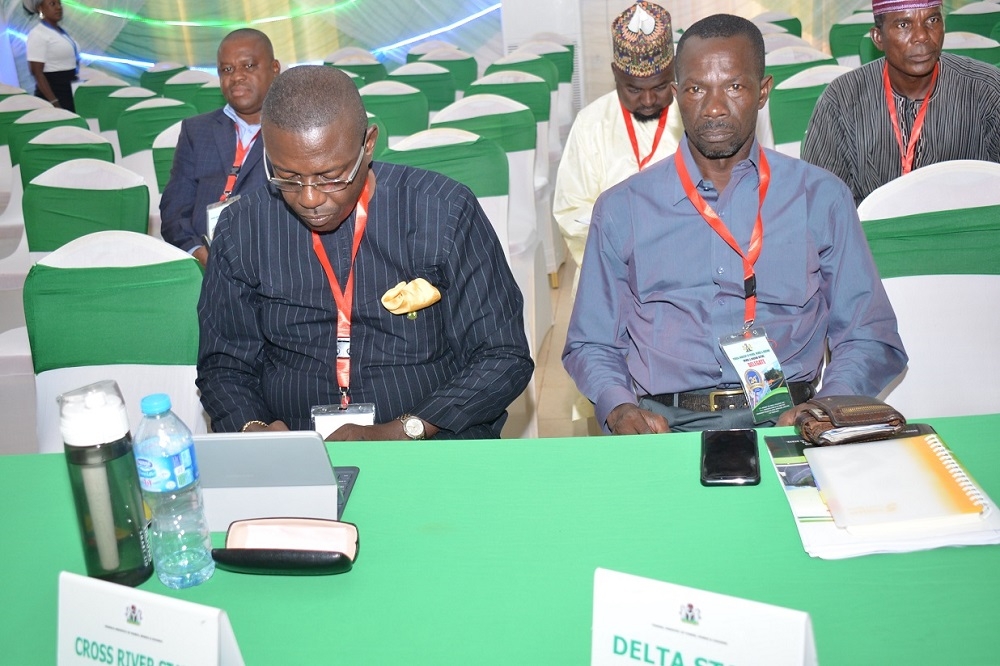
(106, 623)
(652, 622)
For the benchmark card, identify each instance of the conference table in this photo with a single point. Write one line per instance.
(484, 553)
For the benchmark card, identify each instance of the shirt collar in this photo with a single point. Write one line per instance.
(752, 162)
(245, 129)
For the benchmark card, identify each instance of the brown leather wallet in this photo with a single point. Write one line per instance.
(841, 419)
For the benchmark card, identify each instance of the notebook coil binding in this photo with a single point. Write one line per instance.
(968, 487)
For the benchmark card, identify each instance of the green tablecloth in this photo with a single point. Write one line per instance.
(484, 553)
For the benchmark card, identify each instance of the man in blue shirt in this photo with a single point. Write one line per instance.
(660, 284)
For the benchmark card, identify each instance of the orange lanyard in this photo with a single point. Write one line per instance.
(907, 154)
(241, 154)
(756, 238)
(344, 298)
(643, 161)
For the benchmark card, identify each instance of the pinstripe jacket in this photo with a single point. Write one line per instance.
(204, 156)
(268, 318)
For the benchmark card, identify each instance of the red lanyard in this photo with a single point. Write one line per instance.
(906, 154)
(643, 161)
(756, 238)
(344, 298)
(241, 154)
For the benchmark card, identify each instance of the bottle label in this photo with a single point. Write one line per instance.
(166, 474)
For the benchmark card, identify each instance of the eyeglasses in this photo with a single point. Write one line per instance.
(321, 185)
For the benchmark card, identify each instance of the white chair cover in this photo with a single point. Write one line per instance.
(360, 55)
(424, 48)
(191, 76)
(807, 78)
(942, 186)
(948, 331)
(769, 28)
(131, 91)
(788, 55)
(564, 113)
(779, 40)
(168, 138)
(15, 103)
(555, 141)
(17, 392)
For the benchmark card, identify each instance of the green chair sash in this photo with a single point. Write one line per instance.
(963, 241)
(563, 60)
(88, 99)
(402, 114)
(111, 109)
(792, 25)
(143, 315)
(182, 92)
(791, 109)
(981, 24)
(533, 94)
(513, 131)
(783, 72)
(37, 158)
(7, 119)
(540, 67)
(163, 161)
(155, 81)
(990, 54)
(439, 88)
(463, 72)
(53, 216)
(371, 72)
(868, 51)
(138, 128)
(19, 135)
(845, 38)
(480, 165)
(209, 98)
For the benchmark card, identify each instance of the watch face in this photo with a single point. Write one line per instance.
(413, 427)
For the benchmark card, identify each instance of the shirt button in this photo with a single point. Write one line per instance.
(720, 270)
(722, 302)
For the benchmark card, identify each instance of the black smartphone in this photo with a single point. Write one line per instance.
(729, 458)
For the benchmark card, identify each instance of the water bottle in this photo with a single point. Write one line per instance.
(168, 475)
(101, 468)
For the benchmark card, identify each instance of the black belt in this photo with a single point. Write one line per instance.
(714, 400)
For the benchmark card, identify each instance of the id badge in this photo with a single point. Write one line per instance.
(212, 212)
(327, 418)
(759, 372)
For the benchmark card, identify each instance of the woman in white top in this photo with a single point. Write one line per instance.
(53, 56)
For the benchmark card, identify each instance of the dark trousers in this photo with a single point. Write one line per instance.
(62, 88)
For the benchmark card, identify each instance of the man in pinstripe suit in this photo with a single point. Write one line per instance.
(270, 320)
(217, 153)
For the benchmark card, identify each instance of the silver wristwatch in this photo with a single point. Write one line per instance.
(413, 427)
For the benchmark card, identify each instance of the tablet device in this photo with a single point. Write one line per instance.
(269, 475)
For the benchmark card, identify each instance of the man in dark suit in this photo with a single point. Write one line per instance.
(300, 309)
(218, 155)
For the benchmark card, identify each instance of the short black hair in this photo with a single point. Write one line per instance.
(250, 33)
(310, 96)
(724, 26)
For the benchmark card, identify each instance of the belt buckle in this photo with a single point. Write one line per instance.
(712, 395)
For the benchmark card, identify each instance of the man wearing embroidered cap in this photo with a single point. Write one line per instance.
(625, 130)
(914, 107)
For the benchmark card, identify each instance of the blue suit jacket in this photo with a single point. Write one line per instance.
(205, 152)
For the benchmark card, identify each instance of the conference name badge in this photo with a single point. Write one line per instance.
(213, 211)
(410, 297)
(759, 371)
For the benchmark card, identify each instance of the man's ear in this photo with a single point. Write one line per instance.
(876, 35)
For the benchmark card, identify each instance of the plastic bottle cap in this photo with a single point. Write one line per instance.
(92, 415)
(154, 404)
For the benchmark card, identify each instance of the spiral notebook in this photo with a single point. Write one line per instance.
(907, 486)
